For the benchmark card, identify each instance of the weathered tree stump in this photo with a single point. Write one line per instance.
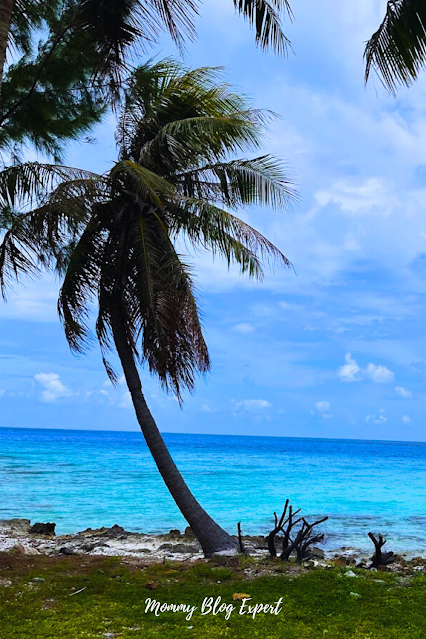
(300, 542)
(379, 558)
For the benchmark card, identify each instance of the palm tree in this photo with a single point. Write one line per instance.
(113, 236)
(59, 88)
(113, 27)
(397, 50)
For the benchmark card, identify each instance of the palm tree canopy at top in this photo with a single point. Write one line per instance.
(113, 27)
(397, 50)
(114, 236)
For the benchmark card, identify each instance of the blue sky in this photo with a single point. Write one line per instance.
(337, 349)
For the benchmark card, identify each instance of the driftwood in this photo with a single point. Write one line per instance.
(300, 542)
(379, 558)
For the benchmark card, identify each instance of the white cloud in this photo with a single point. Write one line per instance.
(379, 374)
(406, 419)
(2, 392)
(322, 407)
(253, 404)
(244, 328)
(53, 388)
(377, 419)
(205, 408)
(350, 371)
(403, 392)
(358, 199)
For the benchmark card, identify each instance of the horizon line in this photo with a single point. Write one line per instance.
(95, 430)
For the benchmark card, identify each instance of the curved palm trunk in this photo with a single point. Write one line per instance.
(6, 8)
(210, 535)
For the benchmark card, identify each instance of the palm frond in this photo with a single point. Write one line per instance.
(211, 137)
(144, 281)
(143, 182)
(397, 50)
(169, 112)
(28, 183)
(261, 180)
(224, 233)
(265, 17)
(80, 284)
(18, 257)
(42, 238)
(176, 15)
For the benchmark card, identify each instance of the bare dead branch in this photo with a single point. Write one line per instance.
(379, 558)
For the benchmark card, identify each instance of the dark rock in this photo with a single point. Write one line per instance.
(317, 553)
(174, 534)
(189, 533)
(418, 561)
(66, 551)
(16, 525)
(116, 532)
(179, 548)
(90, 547)
(43, 529)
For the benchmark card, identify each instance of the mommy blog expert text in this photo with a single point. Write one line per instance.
(211, 606)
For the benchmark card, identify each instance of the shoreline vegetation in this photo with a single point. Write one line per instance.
(45, 593)
(19, 538)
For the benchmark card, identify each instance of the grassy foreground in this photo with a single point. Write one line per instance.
(73, 597)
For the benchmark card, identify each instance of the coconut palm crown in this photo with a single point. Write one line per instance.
(113, 237)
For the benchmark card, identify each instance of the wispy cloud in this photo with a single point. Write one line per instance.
(378, 419)
(323, 406)
(52, 386)
(244, 328)
(370, 196)
(403, 392)
(253, 404)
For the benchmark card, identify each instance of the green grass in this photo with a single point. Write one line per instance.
(111, 604)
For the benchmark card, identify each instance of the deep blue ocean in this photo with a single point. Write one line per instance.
(90, 478)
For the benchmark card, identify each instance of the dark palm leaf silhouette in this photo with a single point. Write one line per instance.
(397, 50)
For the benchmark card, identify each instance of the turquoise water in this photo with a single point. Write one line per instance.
(89, 478)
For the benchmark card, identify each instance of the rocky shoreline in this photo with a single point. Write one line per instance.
(17, 536)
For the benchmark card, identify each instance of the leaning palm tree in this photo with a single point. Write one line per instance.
(397, 50)
(113, 237)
